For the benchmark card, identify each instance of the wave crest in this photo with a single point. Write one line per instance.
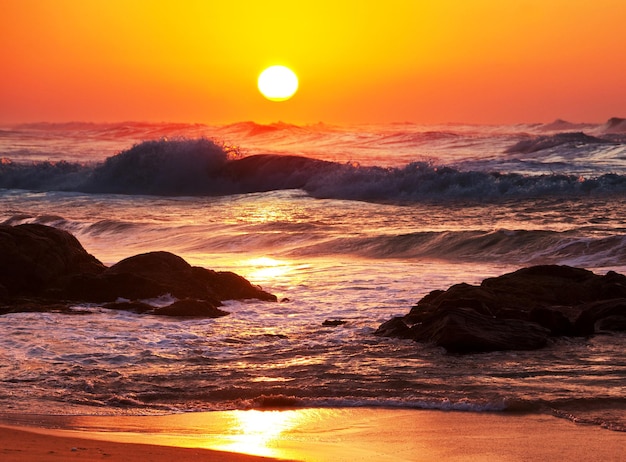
(162, 167)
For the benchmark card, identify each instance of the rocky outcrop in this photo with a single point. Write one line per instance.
(34, 257)
(42, 268)
(516, 311)
(153, 274)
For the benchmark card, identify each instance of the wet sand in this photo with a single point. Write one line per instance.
(314, 435)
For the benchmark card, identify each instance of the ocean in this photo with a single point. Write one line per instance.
(341, 223)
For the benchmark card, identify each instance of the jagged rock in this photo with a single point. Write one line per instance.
(515, 311)
(334, 323)
(41, 266)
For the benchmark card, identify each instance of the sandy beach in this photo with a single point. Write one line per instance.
(314, 435)
(32, 445)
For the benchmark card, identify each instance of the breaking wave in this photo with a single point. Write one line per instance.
(184, 167)
(161, 167)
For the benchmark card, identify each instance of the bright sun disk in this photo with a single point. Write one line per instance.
(277, 83)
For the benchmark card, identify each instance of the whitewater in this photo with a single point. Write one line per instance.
(351, 224)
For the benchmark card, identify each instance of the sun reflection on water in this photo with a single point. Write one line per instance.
(266, 270)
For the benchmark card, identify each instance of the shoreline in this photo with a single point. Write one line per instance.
(26, 444)
(315, 434)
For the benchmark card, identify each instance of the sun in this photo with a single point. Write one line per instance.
(278, 83)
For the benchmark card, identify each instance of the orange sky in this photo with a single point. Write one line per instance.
(425, 61)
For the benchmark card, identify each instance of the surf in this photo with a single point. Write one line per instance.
(202, 167)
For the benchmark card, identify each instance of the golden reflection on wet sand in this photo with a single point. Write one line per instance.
(258, 432)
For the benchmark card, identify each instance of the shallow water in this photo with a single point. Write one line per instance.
(360, 261)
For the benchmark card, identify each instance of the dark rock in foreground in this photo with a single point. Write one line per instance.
(34, 257)
(516, 311)
(44, 269)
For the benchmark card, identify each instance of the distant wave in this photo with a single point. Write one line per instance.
(539, 143)
(527, 247)
(615, 125)
(202, 167)
(253, 128)
(145, 130)
(612, 125)
(562, 125)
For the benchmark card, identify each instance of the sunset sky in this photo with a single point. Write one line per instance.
(424, 61)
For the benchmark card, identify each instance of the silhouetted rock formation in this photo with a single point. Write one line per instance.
(34, 259)
(516, 311)
(41, 268)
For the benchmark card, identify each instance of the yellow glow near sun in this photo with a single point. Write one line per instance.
(278, 83)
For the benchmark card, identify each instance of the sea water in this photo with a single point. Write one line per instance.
(358, 227)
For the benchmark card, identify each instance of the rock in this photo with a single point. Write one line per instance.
(334, 323)
(592, 313)
(41, 267)
(515, 311)
(612, 285)
(37, 258)
(190, 308)
(156, 273)
(464, 330)
(34, 305)
(611, 323)
(395, 327)
(457, 296)
(133, 306)
(543, 285)
(153, 274)
(226, 285)
(553, 320)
